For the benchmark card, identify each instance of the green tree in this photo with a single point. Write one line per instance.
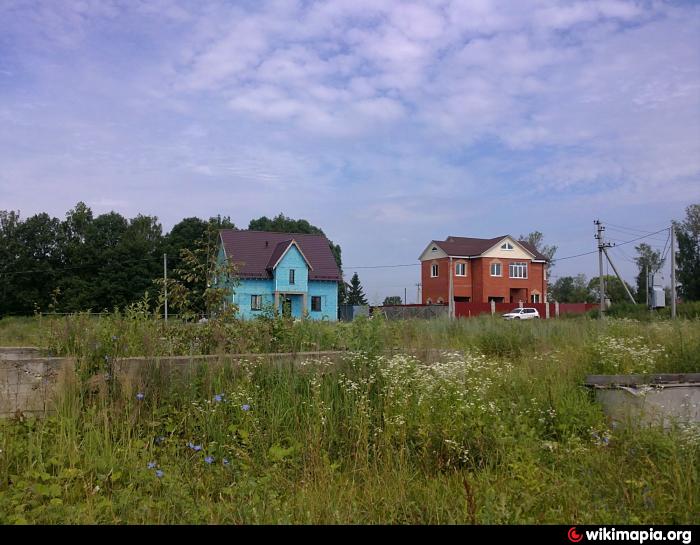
(647, 260)
(356, 295)
(202, 284)
(570, 289)
(9, 255)
(688, 255)
(536, 239)
(614, 289)
(392, 300)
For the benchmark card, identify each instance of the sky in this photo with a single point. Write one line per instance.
(386, 123)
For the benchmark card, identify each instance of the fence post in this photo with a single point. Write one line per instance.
(493, 307)
(546, 311)
(556, 309)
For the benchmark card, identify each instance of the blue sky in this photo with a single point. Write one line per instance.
(386, 123)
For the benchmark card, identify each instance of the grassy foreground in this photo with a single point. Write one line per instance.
(500, 432)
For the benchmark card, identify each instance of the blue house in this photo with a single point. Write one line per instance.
(294, 274)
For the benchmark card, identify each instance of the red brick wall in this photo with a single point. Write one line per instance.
(479, 285)
(434, 287)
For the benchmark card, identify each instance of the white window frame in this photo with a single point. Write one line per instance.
(533, 296)
(256, 302)
(500, 269)
(507, 246)
(518, 267)
(434, 270)
(463, 266)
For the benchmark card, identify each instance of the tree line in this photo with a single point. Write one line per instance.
(104, 262)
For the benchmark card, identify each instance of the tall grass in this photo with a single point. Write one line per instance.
(495, 429)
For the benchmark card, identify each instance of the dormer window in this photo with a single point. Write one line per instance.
(506, 246)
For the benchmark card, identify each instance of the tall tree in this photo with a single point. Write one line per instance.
(356, 295)
(570, 289)
(648, 261)
(688, 256)
(536, 239)
(613, 289)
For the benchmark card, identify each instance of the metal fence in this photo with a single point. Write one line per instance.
(403, 312)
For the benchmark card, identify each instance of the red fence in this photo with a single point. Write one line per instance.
(465, 310)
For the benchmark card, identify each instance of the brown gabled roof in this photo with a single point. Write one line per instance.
(253, 252)
(473, 247)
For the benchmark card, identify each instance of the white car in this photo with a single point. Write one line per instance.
(522, 314)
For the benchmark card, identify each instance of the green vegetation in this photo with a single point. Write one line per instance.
(495, 429)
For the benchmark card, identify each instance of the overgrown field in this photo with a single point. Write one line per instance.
(496, 429)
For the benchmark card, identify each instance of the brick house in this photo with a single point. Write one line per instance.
(499, 269)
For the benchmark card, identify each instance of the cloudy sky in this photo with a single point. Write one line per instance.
(386, 123)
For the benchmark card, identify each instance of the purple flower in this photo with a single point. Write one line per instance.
(245, 407)
(194, 447)
(209, 459)
(151, 465)
(159, 473)
(219, 397)
(140, 396)
(225, 462)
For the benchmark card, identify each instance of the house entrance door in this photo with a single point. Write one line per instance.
(287, 307)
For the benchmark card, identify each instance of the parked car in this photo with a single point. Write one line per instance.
(522, 314)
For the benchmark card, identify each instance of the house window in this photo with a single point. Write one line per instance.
(518, 270)
(495, 269)
(461, 269)
(434, 270)
(256, 302)
(316, 303)
(434, 249)
(291, 276)
(535, 298)
(506, 246)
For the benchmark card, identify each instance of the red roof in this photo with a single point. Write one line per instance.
(256, 252)
(472, 247)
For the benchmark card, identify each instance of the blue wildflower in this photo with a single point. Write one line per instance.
(194, 447)
(209, 459)
(151, 465)
(219, 397)
(225, 462)
(245, 407)
(140, 396)
(159, 473)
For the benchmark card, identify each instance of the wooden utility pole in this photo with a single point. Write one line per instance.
(450, 307)
(673, 271)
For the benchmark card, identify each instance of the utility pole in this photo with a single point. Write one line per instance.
(646, 271)
(450, 308)
(601, 246)
(673, 271)
(165, 283)
(405, 302)
(418, 293)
